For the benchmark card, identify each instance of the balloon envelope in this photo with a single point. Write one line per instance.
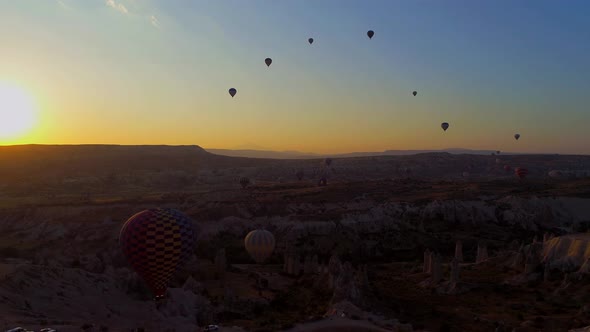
(444, 126)
(517, 136)
(310, 40)
(299, 174)
(268, 61)
(244, 182)
(521, 172)
(370, 33)
(232, 92)
(260, 244)
(157, 242)
(415, 93)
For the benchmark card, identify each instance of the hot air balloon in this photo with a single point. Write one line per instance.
(444, 126)
(299, 174)
(244, 182)
(268, 61)
(507, 168)
(415, 93)
(260, 244)
(157, 242)
(521, 172)
(310, 40)
(517, 136)
(232, 92)
(370, 33)
(498, 152)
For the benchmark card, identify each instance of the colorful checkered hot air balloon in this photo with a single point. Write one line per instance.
(260, 244)
(157, 242)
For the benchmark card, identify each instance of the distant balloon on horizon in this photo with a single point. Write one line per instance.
(521, 173)
(268, 61)
(232, 92)
(415, 93)
(517, 136)
(370, 33)
(310, 40)
(444, 126)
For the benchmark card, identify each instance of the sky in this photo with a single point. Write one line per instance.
(158, 72)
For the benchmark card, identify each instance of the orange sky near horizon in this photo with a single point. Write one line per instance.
(159, 73)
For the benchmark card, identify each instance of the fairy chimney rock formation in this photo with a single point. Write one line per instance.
(307, 265)
(220, 263)
(482, 252)
(315, 265)
(426, 267)
(296, 265)
(436, 269)
(455, 271)
(459, 251)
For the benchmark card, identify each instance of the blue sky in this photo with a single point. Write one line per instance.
(157, 72)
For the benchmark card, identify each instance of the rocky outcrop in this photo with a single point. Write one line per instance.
(346, 287)
(220, 263)
(567, 253)
(334, 269)
(426, 268)
(482, 252)
(459, 251)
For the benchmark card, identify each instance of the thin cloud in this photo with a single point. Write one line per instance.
(154, 21)
(117, 6)
(63, 5)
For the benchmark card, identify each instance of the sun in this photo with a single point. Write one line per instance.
(17, 111)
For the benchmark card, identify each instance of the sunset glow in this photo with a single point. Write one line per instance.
(17, 112)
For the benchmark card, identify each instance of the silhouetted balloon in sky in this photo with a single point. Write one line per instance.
(310, 40)
(268, 61)
(444, 126)
(232, 92)
(370, 33)
(517, 136)
(157, 242)
(415, 93)
(498, 152)
(260, 244)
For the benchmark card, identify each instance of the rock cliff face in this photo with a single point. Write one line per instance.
(568, 252)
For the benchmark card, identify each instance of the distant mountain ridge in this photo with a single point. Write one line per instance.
(309, 155)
